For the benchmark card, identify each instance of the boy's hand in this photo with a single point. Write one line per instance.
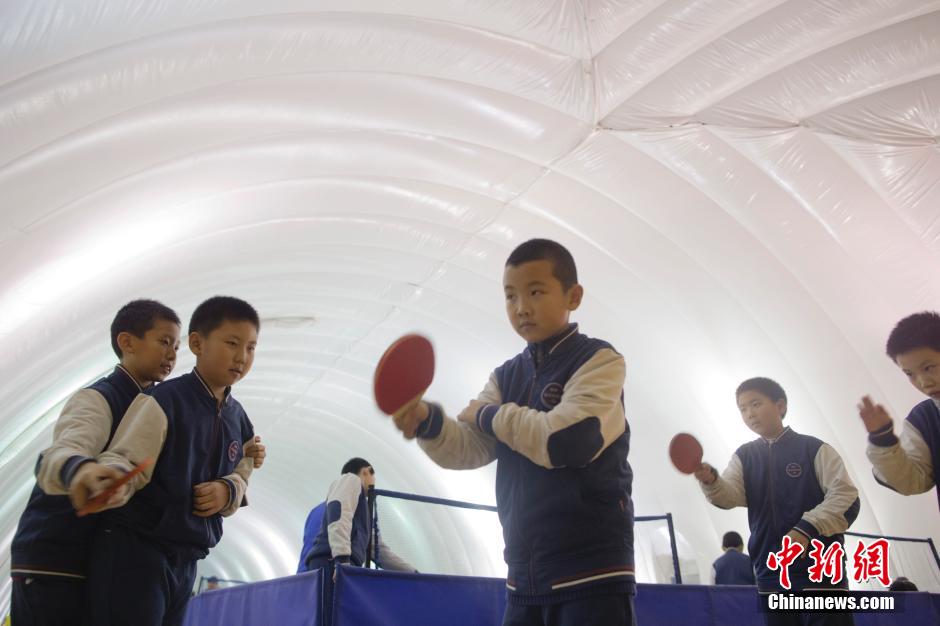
(256, 450)
(408, 421)
(209, 498)
(705, 474)
(469, 414)
(91, 479)
(874, 415)
(798, 537)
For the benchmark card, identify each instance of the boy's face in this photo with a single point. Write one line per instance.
(151, 357)
(536, 303)
(922, 368)
(367, 476)
(761, 414)
(225, 356)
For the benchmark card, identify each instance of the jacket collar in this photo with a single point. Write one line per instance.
(208, 392)
(120, 376)
(541, 350)
(786, 429)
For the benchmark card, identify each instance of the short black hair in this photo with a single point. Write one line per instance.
(355, 465)
(766, 386)
(902, 583)
(210, 314)
(563, 267)
(732, 540)
(137, 317)
(920, 330)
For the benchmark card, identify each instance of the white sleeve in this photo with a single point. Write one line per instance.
(832, 515)
(727, 491)
(139, 436)
(456, 445)
(578, 429)
(80, 433)
(341, 503)
(237, 482)
(906, 465)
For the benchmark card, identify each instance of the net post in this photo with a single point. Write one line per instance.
(675, 550)
(370, 499)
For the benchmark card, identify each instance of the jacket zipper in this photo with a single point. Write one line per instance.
(535, 376)
(213, 455)
(770, 483)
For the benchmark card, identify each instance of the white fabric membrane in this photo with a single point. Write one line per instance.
(748, 189)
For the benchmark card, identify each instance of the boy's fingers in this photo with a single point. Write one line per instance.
(78, 496)
(100, 486)
(205, 498)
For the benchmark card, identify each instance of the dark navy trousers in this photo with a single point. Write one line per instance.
(47, 601)
(134, 581)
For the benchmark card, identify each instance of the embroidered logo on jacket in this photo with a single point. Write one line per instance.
(794, 470)
(551, 394)
(233, 451)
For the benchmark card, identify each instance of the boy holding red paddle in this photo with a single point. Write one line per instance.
(50, 550)
(553, 419)
(795, 488)
(144, 560)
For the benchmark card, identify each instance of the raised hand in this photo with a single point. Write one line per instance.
(873, 415)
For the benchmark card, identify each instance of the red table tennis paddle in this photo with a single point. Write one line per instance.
(403, 374)
(98, 502)
(686, 453)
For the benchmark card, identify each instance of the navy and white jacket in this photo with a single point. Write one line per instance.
(554, 422)
(51, 539)
(345, 528)
(793, 482)
(192, 439)
(909, 464)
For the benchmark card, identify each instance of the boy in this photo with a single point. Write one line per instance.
(793, 486)
(346, 527)
(908, 464)
(50, 550)
(553, 419)
(733, 567)
(144, 560)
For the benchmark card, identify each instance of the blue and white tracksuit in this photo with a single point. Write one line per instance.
(554, 422)
(345, 528)
(50, 550)
(145, 553)
(793, 482)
